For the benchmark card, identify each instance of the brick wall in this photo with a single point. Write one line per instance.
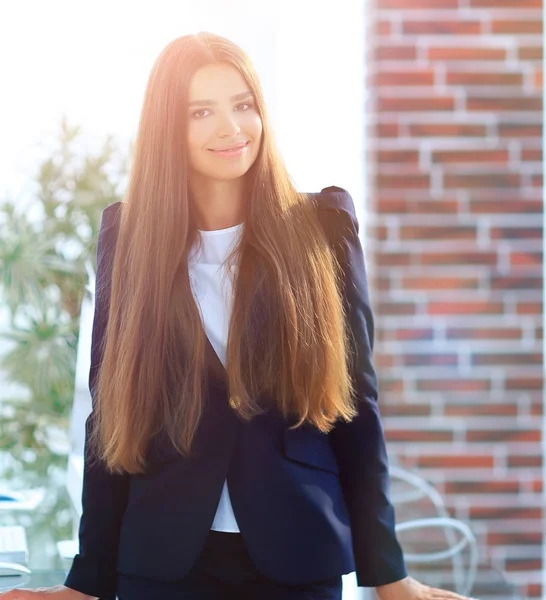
(455, 246)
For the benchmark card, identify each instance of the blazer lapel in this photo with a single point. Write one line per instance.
(213, 362)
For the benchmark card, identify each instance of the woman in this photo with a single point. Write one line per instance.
(235, 448)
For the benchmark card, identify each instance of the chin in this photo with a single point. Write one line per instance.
(227, 174)
(224, 176)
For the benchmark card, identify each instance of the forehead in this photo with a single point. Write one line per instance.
(216, 81)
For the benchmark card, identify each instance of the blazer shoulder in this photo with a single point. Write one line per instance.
(108, 232)
(111, 214)
(338, 200)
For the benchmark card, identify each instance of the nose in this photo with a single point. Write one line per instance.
(228, 127)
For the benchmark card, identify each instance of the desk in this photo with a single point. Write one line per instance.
(48, 578)
(36, 579)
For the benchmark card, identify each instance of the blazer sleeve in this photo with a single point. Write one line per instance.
(359, 446)
(104, 495)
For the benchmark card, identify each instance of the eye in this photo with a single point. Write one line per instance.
(195, 114)
(249, 104)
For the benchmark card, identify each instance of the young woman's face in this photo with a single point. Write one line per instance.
(221, 114)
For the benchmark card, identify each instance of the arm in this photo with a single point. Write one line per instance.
(104, 495)
(360, 445)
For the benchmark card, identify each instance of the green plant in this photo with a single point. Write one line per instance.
(46, 252)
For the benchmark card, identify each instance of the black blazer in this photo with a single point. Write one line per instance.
(309, 505)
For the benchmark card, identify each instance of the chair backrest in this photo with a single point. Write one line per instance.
(418, 488)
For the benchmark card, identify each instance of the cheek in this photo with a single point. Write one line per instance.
(198, 135)
(254, 127)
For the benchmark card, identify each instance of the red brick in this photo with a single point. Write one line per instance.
(526, 259)
(506, 3)
(474, 409)
(482, 180)
(530, 53)
(384, 361)
(503, 435)
(450, 461)
(516, 26)
(379, 232)
(524, 461)
(523, 383)
(516, 282)
(452, 385)
(497, 104)
(529, 308)
(436, 27)
(466, 53)
(411, 335)
(413, 181)
(478, 257)
(391, 386)
(413, 77)
(534, 590)
(386, 204)
(516, 233)
(396, 308)
(537, 408)
(440, 283)
(383, 284)
(425, 436)
(438, 232)
(392, 52)
(384, 28)
(483, 333)
(406, 410)
(537, 486)
(517, 206)
(398, 156)
(446, 130)
(416, 4)
(480, 78)
(531, 154)
(507, 359)
(470, 156)
(519, 130)
(482, 487)
(422, 103)
(538, 79)
(503, 513)
(514, 538)
(392, 259)
(435, 359)
(523, 564)
(385, 130)
(537, 181)
(462, 307)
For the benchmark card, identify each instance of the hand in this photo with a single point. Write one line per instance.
(411, 589)
(58, 592)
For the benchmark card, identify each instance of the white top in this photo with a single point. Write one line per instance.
(212, 290)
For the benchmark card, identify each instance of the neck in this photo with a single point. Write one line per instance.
(217, 204)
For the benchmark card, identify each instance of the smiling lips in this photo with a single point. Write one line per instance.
(231, 148)
(236, 150)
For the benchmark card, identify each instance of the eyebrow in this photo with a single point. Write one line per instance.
(212, 102)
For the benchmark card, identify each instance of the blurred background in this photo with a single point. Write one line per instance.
(429, 112)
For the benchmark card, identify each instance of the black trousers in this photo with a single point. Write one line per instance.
(225, 571)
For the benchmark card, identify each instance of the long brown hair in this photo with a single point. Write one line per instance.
(152, 373)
